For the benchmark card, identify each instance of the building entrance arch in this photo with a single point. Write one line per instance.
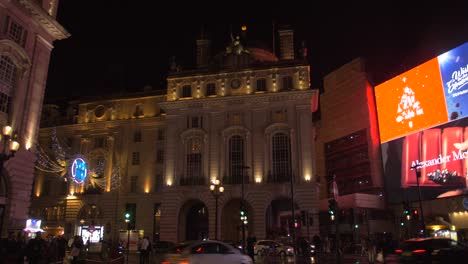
(231, 225)
(193, 219)
(278, 219)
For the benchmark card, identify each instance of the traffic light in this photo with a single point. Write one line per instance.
(332, 208)
(402, 222)
(243, 216)
(128, 220)
(406, 211)
(127, 217)
(415, 214)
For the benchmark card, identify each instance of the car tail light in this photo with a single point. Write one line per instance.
(398, 251)
(165, 262)
(183, 262)
(419, 251)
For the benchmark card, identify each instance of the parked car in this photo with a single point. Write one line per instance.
(432, 250)
(267, 247)
(207, 252)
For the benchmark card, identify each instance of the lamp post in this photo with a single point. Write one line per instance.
(8, 149)
(243, 210)
(418, 175)
(9, 145)
(216, 190)
(127, 220)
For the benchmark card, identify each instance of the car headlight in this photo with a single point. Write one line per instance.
(290, 249)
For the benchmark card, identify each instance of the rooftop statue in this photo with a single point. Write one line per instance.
(236, 46)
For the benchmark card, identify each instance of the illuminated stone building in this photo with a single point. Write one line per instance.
(243, 115)
(28, 30)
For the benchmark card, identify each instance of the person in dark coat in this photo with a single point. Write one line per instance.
(61, 247)
(250, 245)
(35, 249)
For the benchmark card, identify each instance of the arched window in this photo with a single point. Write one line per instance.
(281, 157)
(194, 160)
(236, 159)
(7, 82)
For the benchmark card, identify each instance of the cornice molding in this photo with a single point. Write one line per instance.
(227, 101)
(47, 22)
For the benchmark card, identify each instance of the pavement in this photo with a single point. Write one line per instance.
(134, 258)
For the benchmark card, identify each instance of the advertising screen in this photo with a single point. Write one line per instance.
(423, 125)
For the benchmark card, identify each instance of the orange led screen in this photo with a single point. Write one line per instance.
(411, 102)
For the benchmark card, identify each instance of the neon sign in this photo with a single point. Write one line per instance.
(79, 170)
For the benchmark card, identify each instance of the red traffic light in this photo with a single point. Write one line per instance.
(415, 212)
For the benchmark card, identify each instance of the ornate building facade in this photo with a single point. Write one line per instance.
(28, 31)
(242, 117)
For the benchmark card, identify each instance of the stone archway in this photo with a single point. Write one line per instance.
(193, 221)
(278, 220)
(231, 226)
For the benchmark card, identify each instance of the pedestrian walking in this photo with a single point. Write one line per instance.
(251, 239)
(144, 250)
(77, 250)
(372, 252)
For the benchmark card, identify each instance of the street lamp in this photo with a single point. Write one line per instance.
(127, 220)
(417, 167)
(243, 209)
(9, 145)
(216, 190)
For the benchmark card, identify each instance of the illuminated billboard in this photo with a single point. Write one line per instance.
(428, 95)
(423, 122)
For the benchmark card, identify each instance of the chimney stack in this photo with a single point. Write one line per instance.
(286, 39)
(203, 51)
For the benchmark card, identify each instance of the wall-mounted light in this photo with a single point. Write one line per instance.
(9, 145)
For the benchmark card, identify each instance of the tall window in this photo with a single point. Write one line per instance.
(281, 157)
(236, 158)
(261, 85)
(7, 82)
(15, 32)
(194, 159)
(287, 83)
(186, 91)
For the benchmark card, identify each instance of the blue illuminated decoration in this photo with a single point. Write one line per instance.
(79, 170)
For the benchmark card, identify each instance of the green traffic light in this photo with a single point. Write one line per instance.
(127, 215)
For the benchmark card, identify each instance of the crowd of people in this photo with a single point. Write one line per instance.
(18, 247)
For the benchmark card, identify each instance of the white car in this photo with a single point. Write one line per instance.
(206, 252)
(272, 247)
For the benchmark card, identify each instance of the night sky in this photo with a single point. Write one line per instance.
(134, 40)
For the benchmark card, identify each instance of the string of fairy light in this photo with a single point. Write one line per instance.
(57, 159)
